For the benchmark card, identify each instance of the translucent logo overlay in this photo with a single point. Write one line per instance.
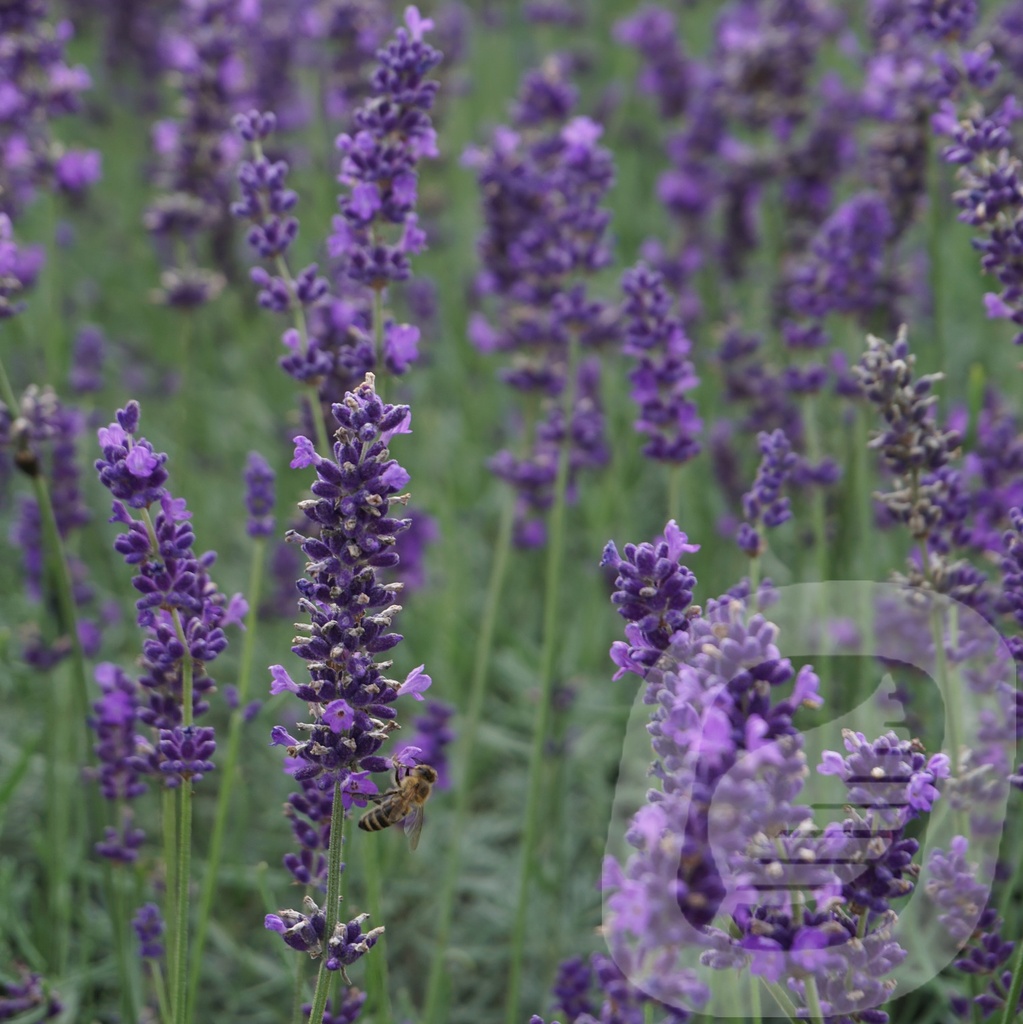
(738, 874)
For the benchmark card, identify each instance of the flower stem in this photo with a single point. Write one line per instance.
(551, 633)
(1011, 1011)
(170, 860)
(230, 775)
(332, 909)
(813, 1000)
(182, 870)
(378, 990)
(470, 728)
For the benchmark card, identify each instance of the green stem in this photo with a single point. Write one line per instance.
(180, 981)
(378, 334)
(813, 1000)
(378, 991)
(332, 910)
(817, 508)
(551, 634)
(119, 919)
(675, 493)
(1011, 1012)
(935, 232)
(230, 774)
(182, 871)
(170, 860)
(470, 728)
(162, 999)
(68, 745)
(781, 997)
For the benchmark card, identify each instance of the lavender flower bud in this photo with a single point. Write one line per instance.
(149, 927)
(259, 496)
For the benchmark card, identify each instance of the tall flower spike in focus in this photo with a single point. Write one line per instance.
(182, 615)
(348, 695)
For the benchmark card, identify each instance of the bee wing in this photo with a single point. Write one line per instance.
(414, 826)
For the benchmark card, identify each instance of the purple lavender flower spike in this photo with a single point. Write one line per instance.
(990, 198)
(196, 153)
(149, 927)
(19, 268)
(259, 496)
(349, 698)
(653, 593)
(666, 74)
(343, 1011)
(543, 182)
(43, 438)
(656, 339)
(182, 615)
(431, 738)
(87, 358)
(39, 87)
(392, 134)
(114, 722)
(765, 505)
(30, 992)
(730, 765)
(845, 270)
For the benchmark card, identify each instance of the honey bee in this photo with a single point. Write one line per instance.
(403, 801)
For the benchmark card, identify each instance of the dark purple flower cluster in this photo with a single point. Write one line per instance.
(665, 373)
(305, 932)
(429, 743)
(666, 74)
(765, 505)
(914, 447)
(332, 345)
(343, 1011)
(38, 86)
(411, 548)
(88, 354)
(596, 990)
(543, 181)
(951, 20)
(351, 612)
(991, 197)
(749, 118)
(846, 270)
(149, 927)
(43, 438)
(196, 152)
(992, 472)
(890, 782)
(319, 317)
(350, 32)
(392, 134)
(259, 496)
(29, 993)
(19, 268)
(180, 610)
(1011, 598)
(653, 593)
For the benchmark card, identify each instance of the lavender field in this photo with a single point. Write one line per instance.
(511, 512)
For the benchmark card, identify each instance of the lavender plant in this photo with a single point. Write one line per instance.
(182, 615)
(348, 694)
